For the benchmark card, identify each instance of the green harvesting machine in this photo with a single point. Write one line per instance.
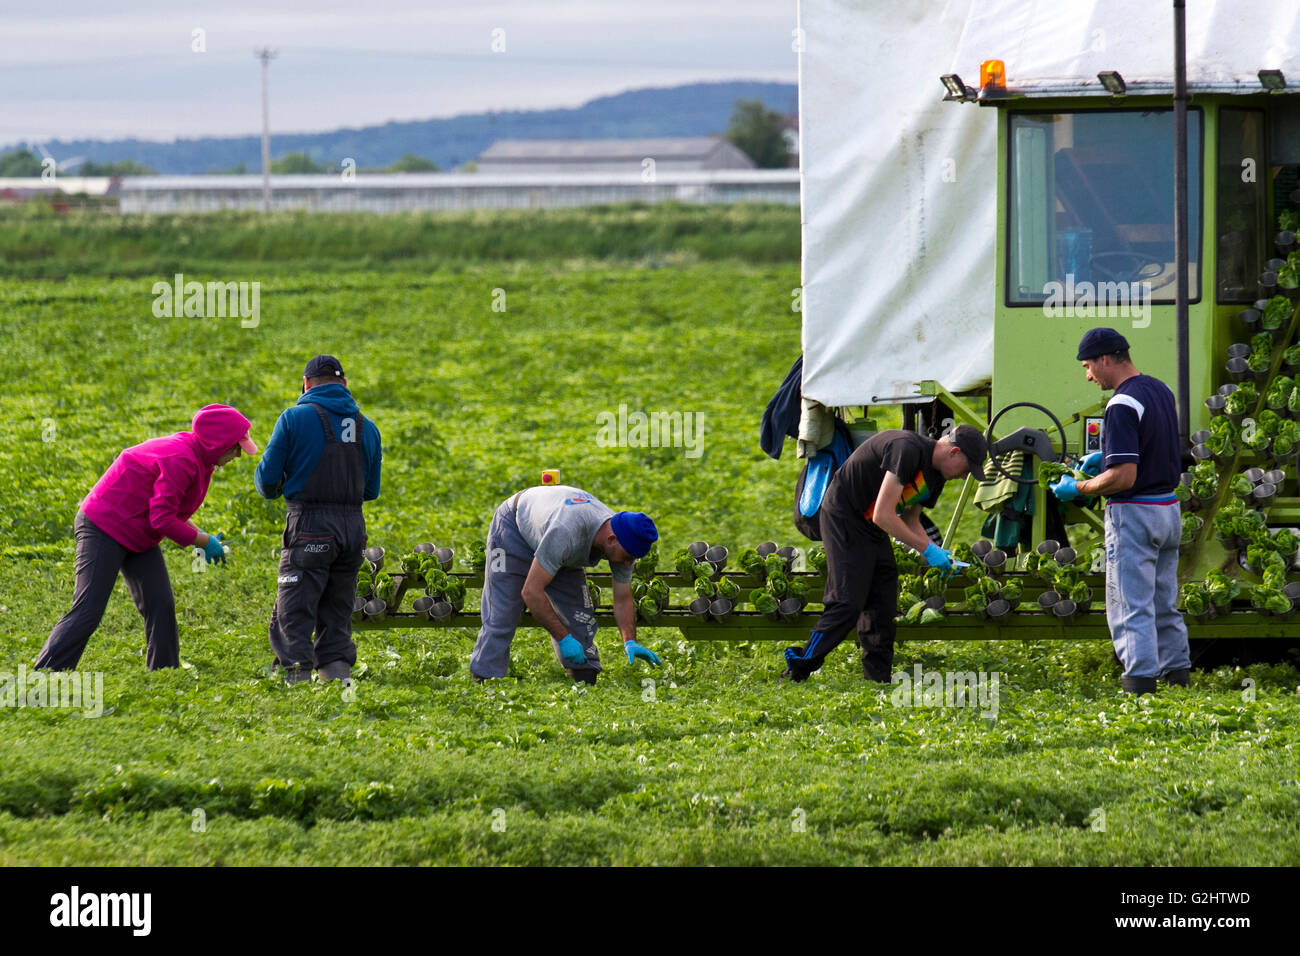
(1085, 237)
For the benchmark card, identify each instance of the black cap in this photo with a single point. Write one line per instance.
(323, 365)
(1097, 342)
(973, 446)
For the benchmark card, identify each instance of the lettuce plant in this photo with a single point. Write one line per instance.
(1242, 400)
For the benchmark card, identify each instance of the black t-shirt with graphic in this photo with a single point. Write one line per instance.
(906, 454)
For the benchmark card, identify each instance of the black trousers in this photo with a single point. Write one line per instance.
(99, 560)
(861, 589)
(319, 560)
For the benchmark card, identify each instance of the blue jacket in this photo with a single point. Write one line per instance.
(297, 442)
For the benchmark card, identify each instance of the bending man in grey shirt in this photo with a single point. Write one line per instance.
(540, 543)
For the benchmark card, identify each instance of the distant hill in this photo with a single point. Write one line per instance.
(698, 109)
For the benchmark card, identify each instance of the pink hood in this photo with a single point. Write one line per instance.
(151, 489)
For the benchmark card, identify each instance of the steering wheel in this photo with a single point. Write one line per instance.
(1126, 266)
(988, 437)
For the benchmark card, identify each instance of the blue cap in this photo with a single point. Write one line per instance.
(1097, 342)
(635, 532)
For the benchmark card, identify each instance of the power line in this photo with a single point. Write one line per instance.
(459, 55)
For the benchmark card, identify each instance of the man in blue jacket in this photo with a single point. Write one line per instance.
(324, 457)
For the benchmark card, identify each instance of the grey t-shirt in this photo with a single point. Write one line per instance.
(559, 523)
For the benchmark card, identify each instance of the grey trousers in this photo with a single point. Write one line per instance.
(99, 559)
(1146, 627)
(508, 559)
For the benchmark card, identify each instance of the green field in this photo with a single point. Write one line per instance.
(716, 762)
(36, 242)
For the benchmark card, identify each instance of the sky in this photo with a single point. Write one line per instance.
(73, 70)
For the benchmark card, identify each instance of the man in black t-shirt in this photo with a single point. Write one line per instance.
(1141, 461)
(878, 493)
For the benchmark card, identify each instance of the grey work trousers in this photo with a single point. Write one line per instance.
(1146, 627)
(508, 559)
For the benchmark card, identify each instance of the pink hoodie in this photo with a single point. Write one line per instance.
(151, 489)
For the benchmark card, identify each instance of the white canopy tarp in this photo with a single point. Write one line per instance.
(897, 204)
(899, 187)
(1053, 47)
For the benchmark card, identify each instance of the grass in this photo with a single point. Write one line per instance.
(36, 242)
(712, 762)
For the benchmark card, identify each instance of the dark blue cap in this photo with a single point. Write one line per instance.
(1097, 342)
(323, 365)
(635, 532)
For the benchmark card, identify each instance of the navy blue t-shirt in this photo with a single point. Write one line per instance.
(1141, 426)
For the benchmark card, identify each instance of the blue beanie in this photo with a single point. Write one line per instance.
(1098, 342)
(635, 532)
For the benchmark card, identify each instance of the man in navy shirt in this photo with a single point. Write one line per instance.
(1143, 521)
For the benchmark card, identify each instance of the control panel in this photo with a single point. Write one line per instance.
(1091, 435)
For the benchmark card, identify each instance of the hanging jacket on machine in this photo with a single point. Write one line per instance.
(781, 417)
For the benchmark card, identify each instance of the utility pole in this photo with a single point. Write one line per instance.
(266, 55)
(1182, 336)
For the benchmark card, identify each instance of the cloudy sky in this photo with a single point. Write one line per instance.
(71, 69)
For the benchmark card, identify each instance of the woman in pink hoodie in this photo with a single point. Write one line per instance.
(148, 493)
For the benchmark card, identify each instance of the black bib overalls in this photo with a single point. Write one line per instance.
(324, 535)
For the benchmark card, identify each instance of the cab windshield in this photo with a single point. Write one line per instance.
(1091, 205)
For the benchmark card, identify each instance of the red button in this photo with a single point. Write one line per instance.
(1093, 428)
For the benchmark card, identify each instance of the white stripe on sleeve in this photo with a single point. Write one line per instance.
(1130, 401)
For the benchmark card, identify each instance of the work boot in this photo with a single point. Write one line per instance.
(877, 661)
(1139, 685)
(296, 675)
(582, 675)
(335, 670)
(1179, 678)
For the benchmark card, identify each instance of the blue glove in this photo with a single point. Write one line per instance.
(571, 651)
(1066, 489)
(1091, 465)
(213, 550)
(635, 650)
(937, 557)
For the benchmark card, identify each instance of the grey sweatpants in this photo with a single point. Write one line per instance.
(508, 559)
(99, 559)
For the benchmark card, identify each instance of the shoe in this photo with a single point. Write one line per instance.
(584, 675)
(1139, 685)
(296, 675)
(792, 677)
(1179, 678)
(335, 670)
